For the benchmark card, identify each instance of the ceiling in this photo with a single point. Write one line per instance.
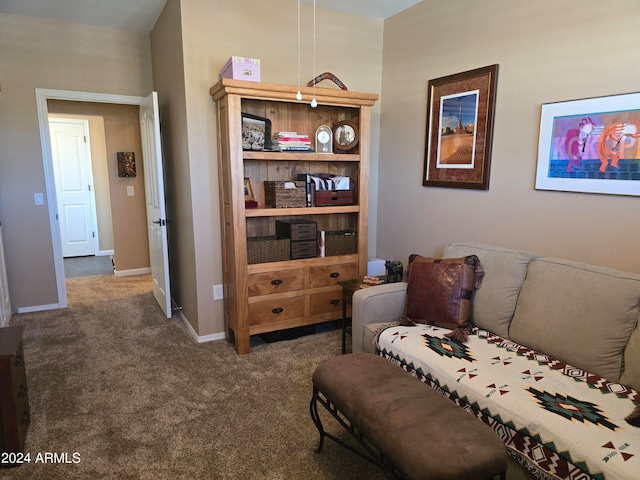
(141, 15)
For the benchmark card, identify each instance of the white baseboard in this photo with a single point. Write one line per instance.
(196, 337)
(39, 308)
(104, 253)
(134, 271)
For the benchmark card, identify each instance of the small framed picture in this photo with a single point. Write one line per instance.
(256, 132)
(345, 136)
(126, 164)
(248, 191)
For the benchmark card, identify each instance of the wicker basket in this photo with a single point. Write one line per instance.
(267, 249)
(276, 196)
(341, 242)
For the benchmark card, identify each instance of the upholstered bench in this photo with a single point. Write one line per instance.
(403, 425)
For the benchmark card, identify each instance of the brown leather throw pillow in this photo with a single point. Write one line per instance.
(439, 292)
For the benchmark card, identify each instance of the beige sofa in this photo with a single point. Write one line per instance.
(555, 319)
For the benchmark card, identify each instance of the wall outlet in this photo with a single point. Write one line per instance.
(218, 292)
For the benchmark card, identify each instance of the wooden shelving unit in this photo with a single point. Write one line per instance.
(271, 296)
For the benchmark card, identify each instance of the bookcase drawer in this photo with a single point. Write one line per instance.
(275, 282)
(329, 302)
(332, 274)
(276, 310)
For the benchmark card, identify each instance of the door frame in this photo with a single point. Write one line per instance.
(53, 118)
(42, 96)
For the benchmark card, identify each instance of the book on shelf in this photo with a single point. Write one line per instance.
(291, 142)
(308, 183)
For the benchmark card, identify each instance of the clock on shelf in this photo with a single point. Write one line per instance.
(324, 139)
(345, 136)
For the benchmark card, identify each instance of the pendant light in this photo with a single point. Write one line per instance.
(298, 95)
(314, 103)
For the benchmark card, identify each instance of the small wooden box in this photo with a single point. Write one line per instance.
(297, 230)
(325, 198)
(305, 249)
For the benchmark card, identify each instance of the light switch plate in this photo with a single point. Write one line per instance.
(218, 292)
(130, 192)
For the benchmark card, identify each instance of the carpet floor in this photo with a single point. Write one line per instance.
(135, 397)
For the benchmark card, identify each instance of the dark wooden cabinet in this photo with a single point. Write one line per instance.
(14, 398)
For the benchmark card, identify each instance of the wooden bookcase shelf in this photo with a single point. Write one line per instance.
(270, 296)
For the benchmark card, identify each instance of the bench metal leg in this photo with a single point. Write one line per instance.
(313, 409)
(368, 453)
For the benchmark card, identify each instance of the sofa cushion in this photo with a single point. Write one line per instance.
(494, 302)
(439, 290)
(581, 314)
(631, 374)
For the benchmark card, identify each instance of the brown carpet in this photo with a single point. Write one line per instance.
(137, 398)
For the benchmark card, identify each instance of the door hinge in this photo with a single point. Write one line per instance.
(89, 187)
(94, 234)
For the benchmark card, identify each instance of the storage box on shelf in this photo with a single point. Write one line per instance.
(276, 295)
(285, 194)
(267, 249)
(302, 235)
(341, 242)
(333, 197)
(242, 68)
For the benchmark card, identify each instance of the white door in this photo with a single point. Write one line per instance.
(74, 186)
(154, 190)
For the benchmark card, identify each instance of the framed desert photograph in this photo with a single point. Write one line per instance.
(590, 146)
(460, 113)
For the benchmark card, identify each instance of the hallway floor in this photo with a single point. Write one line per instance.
(87, 266)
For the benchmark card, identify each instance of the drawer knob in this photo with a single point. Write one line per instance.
(277, 310)
(334, 274)
(276, 282)
(335, 301)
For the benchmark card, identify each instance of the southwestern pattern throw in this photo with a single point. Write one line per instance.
(558, 421)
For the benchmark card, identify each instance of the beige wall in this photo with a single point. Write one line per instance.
(168, 81)
(128, 214)
(347, 45)
(548, 51)
(38, 53)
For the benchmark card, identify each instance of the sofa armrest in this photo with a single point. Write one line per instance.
(379, 304)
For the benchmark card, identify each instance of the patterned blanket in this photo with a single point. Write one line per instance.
(558, 421)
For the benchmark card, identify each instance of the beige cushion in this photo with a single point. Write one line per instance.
(580, 314)
(494, 302)
(631, 374)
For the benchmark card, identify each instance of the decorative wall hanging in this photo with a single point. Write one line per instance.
(327, 76)
(126, 164)
(460, 112)
(590, 145)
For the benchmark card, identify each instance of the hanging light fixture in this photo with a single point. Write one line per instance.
(314, 103)
(298, 95)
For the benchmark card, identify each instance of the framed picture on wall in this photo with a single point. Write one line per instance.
(460, 112)
(590, 145)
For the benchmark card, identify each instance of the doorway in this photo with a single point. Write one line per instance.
(153, 218)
